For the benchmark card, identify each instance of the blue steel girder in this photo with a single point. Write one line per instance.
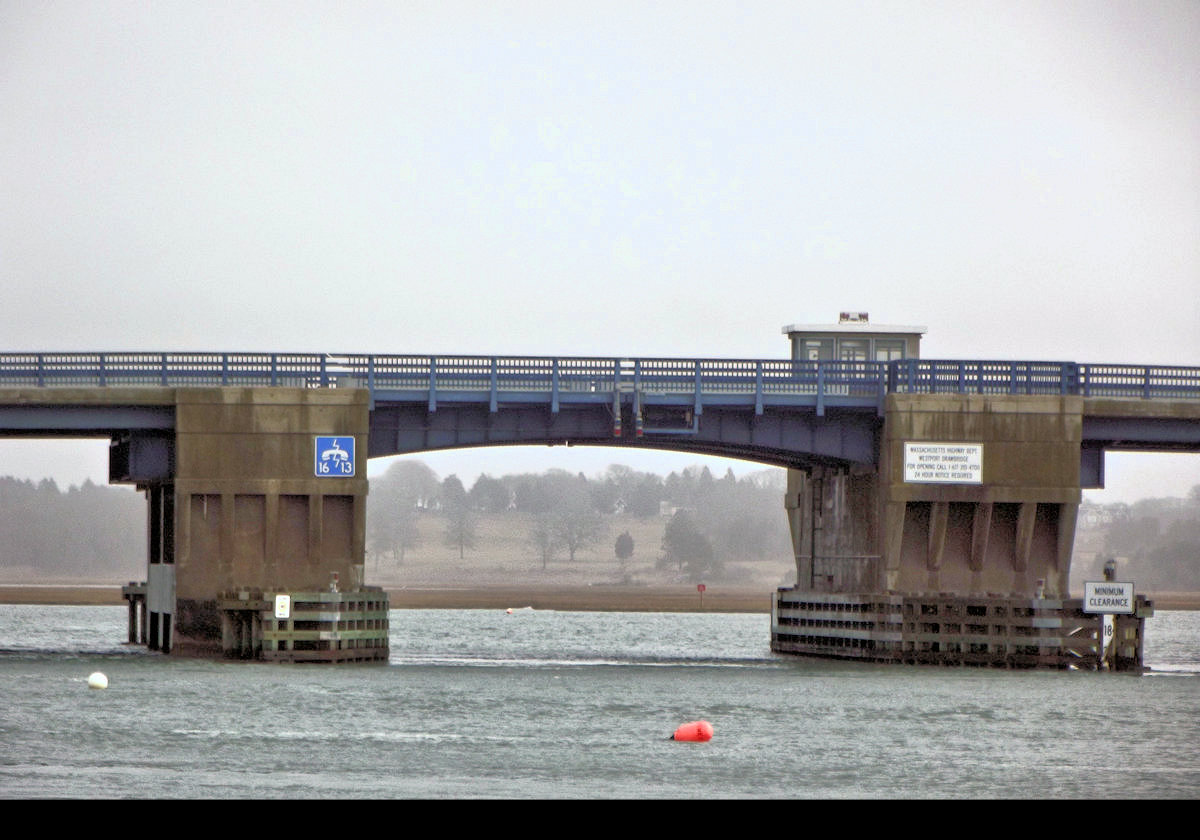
(785, 436)
(1141, 433)
(1127, 425)
(62, 420)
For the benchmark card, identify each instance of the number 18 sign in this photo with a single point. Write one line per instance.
(334, 457)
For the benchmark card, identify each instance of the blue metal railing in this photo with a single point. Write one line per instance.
(703, 381)
(47, 370)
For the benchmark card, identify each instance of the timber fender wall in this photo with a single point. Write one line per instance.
(310, 627)
(947, 629)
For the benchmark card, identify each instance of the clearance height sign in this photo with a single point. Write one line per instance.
(1107, 597)
(943, 463)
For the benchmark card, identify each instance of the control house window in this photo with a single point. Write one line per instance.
(888, 350)
(817, 350)
(852, 350)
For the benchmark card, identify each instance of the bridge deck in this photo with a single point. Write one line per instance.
(586, 379)
(759, 408)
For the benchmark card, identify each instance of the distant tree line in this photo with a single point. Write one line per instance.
(99, 532)
(707, 521)
(1156, 543)
(87, 532)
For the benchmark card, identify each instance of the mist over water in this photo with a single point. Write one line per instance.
(544, 704)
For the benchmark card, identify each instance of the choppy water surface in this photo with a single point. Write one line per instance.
(478, 703)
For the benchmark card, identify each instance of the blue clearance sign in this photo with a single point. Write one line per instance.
(334, 457)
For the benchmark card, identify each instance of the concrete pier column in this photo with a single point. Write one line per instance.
(1026, 519)
(972, 512)
(1068, 518)
(939, 517)
(981, 529)
(893, 544)
(794, 507)
(834, 519)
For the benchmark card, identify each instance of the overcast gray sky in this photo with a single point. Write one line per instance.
(615, 179)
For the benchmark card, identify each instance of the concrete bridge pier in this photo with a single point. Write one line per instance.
(955, 548)
(1009, 530)
(251, 506)
(1006, 529)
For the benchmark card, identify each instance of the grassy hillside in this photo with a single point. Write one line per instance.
(503, 554)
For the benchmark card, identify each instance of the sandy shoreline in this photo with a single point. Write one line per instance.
(612, 598)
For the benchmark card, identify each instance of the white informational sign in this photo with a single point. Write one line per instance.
(943, 463)
(283, 606)
(334, 457)
(1107, 596)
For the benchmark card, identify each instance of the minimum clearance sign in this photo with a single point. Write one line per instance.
(1108, 596)
(943, 463)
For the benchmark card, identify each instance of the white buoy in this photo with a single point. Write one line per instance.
(97, 680)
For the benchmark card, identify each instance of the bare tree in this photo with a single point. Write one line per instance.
(577, 524)
(543, 538)
(460, 519)
(394, 505)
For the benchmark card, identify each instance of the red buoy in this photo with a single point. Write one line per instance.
(697, 730)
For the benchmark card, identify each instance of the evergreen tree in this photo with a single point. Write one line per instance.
(624, 550)
(686, 546)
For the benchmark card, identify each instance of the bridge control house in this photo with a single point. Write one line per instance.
(853, 339)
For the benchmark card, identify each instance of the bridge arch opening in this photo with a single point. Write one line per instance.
(1145, 521)
(1130, 476)
(61, 521)
(68, 461)
(578, 517)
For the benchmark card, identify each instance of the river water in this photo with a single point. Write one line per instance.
(572, 705)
